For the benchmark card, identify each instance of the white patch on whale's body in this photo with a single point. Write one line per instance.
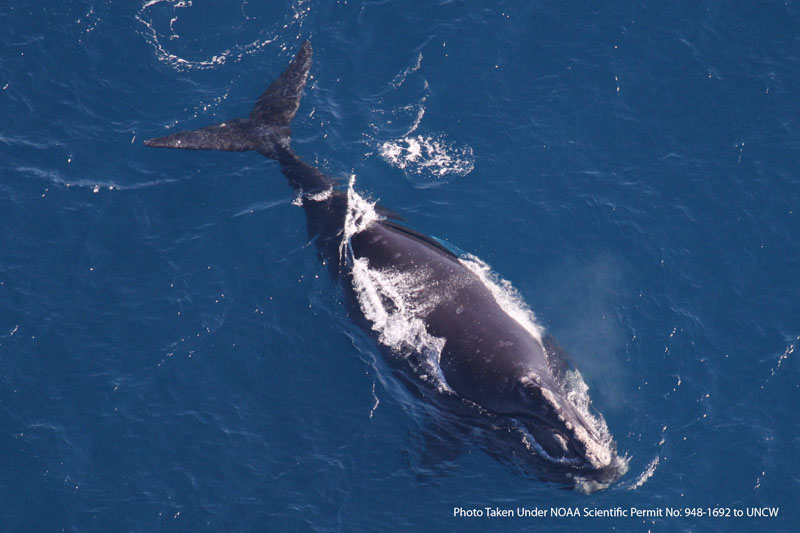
(391, 300)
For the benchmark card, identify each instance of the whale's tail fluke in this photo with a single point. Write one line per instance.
(266, 130)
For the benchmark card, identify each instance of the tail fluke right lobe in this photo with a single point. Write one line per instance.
(279, 103)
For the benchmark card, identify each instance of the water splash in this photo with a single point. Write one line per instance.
(645, 475)
(401, 77)
(391, 300)
(359, 216)
(429, 157)
(426, 159)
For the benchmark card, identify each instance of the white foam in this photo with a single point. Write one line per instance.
(385, 301)
(320, 196)
(395, 303)
(427, 159)
(359, 216)
(431, 157)
(647, 474)
(400, 78)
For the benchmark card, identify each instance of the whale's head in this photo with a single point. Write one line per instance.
(557, 425)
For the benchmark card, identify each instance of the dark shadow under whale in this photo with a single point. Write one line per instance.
(439, 313)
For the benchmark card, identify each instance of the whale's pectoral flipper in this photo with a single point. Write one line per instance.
(266, 130)
(389, 213)
(442, 446)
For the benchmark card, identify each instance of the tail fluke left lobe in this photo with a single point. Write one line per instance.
(268, 125)
(231, 136)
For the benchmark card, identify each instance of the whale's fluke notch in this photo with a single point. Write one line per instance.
(268, 124)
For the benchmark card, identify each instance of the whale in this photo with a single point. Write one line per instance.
(458, 334)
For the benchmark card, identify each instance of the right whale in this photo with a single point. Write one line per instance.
(466, 343)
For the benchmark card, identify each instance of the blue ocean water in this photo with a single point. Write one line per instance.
(173, 355)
